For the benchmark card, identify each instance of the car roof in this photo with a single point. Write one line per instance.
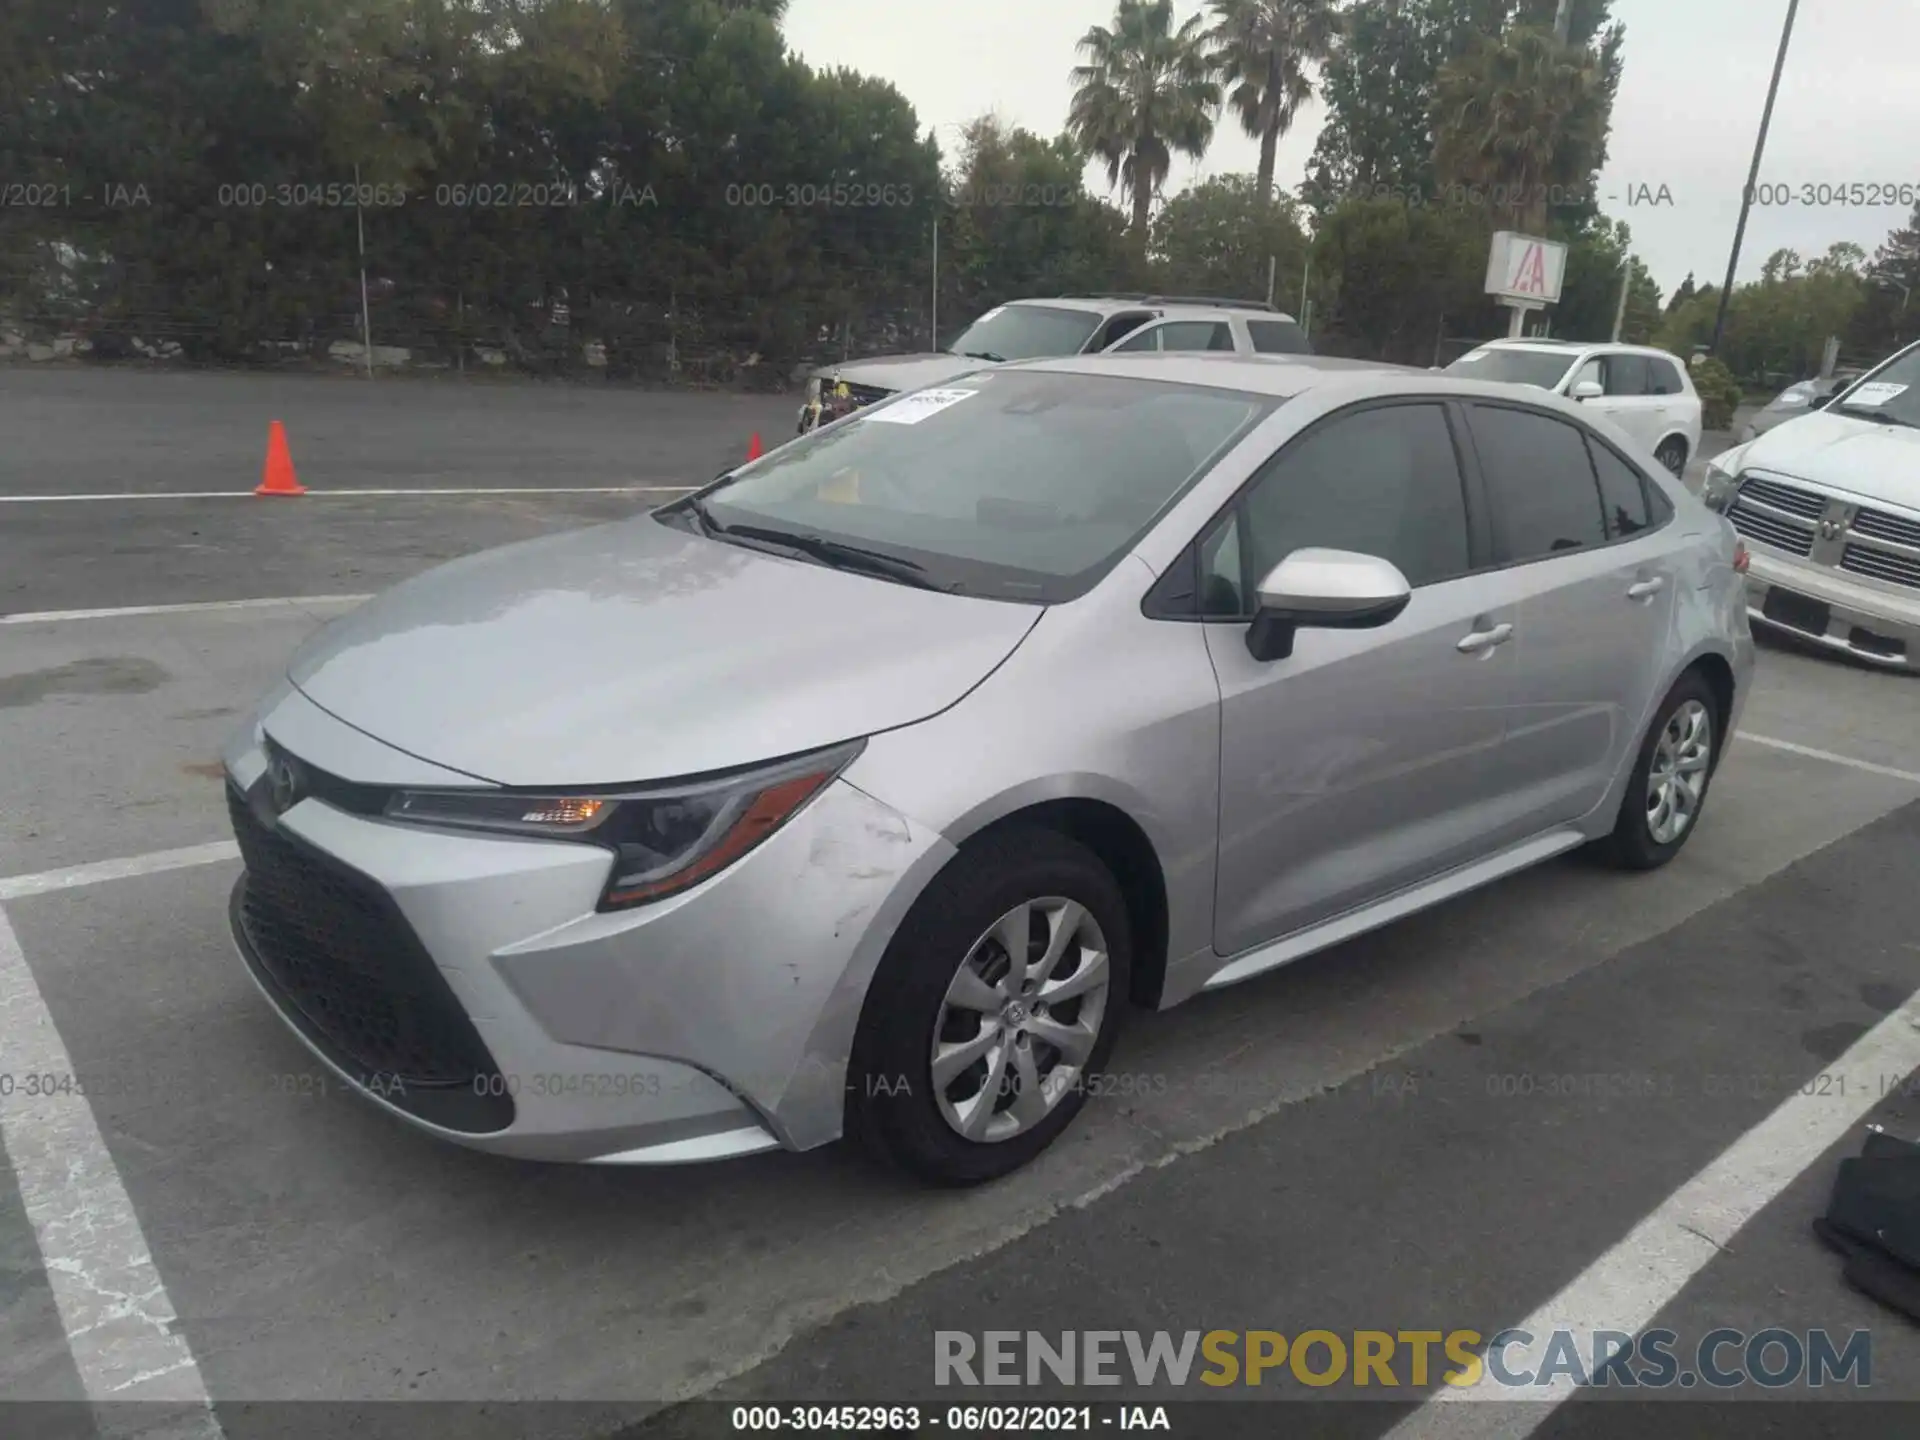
(1569, 347)
(1279, 375)
(1169, 307)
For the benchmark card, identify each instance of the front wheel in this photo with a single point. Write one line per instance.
(1668, 787)
(1673, 454)
(994, 1010)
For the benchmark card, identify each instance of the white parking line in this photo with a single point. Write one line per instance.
(1911, 777)
(17, 887)
(1628, 1286)
(121, 1327)
(325, 494)
(275, 602)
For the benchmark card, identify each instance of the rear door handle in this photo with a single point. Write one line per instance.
(1646, 589)
(1483, 640)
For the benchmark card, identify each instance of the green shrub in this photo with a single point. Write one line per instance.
(1719, 393)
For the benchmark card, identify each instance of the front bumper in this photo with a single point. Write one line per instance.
(713, 1023)
(1861, 621)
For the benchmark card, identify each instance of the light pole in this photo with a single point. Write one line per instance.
(933, 335)
(1753, 177)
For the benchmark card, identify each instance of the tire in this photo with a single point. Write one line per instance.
(893, 1104)
(1673, 454)
(1637, 843)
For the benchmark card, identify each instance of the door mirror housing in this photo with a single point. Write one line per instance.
(1588, 390)
(1326, 590)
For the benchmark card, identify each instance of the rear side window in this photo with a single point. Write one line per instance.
(1277, 337)
(1627, 375)
(1623, 494)
(1665, 376)
(1540, 482)
(1195, 335)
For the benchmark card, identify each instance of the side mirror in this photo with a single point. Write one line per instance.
(1588, 390)
(1327, 590)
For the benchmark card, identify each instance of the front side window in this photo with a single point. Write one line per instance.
(1278, 337)
(1627, 375)
(1195, 335)
(1010, 484)
(1026, 332)
(1382, 482)
(1539, 481)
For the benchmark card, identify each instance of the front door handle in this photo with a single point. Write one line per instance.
(1646, 589)
(1481, 641)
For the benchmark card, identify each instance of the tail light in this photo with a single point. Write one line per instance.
(1740, 557)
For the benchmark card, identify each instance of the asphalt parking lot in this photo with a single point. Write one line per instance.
(1574, 1096)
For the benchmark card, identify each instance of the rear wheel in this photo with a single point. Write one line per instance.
(993, 1010)
(1673, 454)
(1668, 788)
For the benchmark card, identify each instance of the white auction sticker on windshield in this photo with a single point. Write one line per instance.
(1878, 393)
(912, 409)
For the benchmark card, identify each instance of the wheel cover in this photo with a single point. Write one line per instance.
(1673, 457)
(1677, 779)
(1019, 1020)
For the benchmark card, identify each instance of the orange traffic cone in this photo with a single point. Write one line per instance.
(277, 477)
(754, 452)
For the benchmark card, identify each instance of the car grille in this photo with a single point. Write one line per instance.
(340, 953)
(1878, 525)
(1809, 504)
(1756, 522)
(1880, 564)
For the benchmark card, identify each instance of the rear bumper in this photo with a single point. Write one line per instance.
(1869, 624)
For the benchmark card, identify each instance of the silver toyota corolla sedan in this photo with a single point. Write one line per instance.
(867, 789)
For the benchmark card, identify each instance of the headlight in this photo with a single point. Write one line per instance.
(663, 840)
(1721, 484)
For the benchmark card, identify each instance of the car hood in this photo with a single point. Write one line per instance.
(905, 372)
(1875, 462)
(638, 652)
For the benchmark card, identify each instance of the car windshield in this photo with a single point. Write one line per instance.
(1026, 332)
(1013, 485)
(1543, 368)
(1890, 394)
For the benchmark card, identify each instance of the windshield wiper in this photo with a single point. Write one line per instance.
(984, 355)
(1885, 417)
(838, 554)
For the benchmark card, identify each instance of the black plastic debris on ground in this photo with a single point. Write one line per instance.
(1873, 1221)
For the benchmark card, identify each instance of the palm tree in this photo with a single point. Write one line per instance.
(1147, 90)
(1264, 50)
(1519, 115)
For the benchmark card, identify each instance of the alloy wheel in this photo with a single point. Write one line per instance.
(1020, 1019)
(1677, 778)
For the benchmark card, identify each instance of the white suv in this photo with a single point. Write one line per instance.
(1070, 325)
(1646, 392)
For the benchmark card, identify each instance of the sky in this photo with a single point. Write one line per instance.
(1689, 107)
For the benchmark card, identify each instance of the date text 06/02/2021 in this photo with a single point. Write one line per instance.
(952, 1419)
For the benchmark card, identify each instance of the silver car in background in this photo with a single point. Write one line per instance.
(868, 788)
(1831, 504)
